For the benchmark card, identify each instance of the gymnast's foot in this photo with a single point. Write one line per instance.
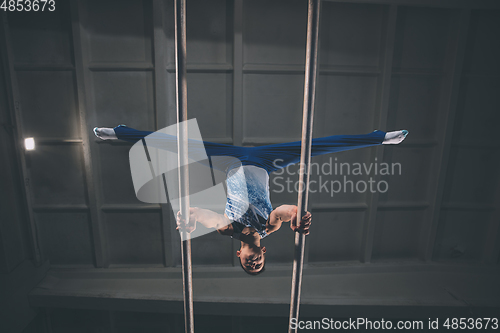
(105, 133)
(395, 137)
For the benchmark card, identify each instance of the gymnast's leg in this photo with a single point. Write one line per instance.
(274, 157)
(269, 157)
(227, 156)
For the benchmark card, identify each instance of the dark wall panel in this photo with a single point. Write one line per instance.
(49, 104)
(56, 175)
(478, 109)
(117, 186)
(134, 238)
(65, 237)
(42, 38)
(336, 236)
(277, 99)
(421, 38)
(13, 221)
(209, 32)
(461, 235)
(471, 190)
(350, 34)
(349, 104)
(210, 102)
(415, 105)
(211, 249)
(397, 234)
(123, 98)
(118, 38)
(409, 170)
(276, 35)
(483, 50)
(472, 177)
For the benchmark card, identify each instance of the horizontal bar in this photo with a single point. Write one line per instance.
(56, 141)
(226, 140)
(492, 74)
(113, 142)
(251, 141)
(332, 206)
(131, 266)
(477, 144)
(129, 207)
(467, 206)
(403, 205)
(417, 72)
(120, 66)
(338, 206)
(204, 68)
(60, 208)
(417, 144)
(299, 69)
(43, 67)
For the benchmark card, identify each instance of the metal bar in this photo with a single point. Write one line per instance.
(182, 145)
(313, 14)
(238, 73)
(237, 134)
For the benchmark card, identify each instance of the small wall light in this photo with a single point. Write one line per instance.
(29, 143)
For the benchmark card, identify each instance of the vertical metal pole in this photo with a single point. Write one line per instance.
(182, 145)
(305, 157)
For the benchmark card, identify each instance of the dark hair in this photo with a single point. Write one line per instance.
(253, 273)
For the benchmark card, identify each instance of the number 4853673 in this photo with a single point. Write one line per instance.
(28, 5)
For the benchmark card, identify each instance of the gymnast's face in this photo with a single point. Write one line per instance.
(252, 259)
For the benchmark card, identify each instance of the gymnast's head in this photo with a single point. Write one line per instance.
(252, 259)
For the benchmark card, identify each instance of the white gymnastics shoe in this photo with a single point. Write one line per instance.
(105, 133)
(395, 137)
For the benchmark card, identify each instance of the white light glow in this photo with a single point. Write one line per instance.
(29, 143)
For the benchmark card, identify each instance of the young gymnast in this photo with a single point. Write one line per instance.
(250, 221)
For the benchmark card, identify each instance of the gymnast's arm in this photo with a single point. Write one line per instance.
(207, 218)
(288, 213)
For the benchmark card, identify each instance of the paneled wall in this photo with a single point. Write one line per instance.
(44, 67)
(469, 218)
(432, 71)
(14, 245)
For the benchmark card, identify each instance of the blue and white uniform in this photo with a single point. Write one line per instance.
(248, 199)
(252, 175)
